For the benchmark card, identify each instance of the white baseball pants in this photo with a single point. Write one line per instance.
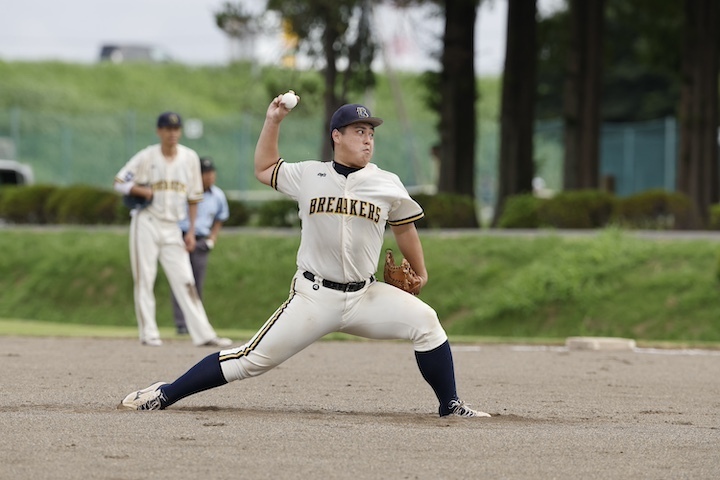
(378, 311)
(153, 240)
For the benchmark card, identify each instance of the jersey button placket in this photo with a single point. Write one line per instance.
(346, 232)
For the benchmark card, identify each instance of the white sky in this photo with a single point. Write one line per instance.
(74, 31)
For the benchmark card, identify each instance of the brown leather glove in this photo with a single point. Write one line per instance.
(402, 276)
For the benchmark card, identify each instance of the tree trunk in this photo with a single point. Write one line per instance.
(516, 165)
(330, 74)
(581, 106)
(698, 156)
(458, 93)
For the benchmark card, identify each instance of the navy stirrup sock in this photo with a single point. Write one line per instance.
(436, 367)
(206, 374)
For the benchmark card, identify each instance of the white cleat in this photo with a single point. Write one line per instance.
(152, 342)
(145, 399)
(218, 342)
(459, 408)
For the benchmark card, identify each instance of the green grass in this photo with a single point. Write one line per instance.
(484, 287)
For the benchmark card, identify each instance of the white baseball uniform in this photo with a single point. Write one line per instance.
(155, 235)
(334, 290)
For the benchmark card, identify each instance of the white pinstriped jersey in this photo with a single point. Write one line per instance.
(174, 183)
(343, 218)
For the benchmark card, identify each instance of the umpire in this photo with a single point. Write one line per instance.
(212, 212)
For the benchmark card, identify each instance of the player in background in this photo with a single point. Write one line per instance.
(344, 206)
(212, 211)
(167, 175)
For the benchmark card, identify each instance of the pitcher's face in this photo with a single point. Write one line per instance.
(355, 144)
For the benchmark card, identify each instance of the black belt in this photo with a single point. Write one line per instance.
(343, 287)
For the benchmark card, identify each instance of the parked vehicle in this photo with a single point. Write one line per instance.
(133, 53)
(13, 172)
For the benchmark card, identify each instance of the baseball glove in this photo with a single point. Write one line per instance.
(401, 276)
(135, 202)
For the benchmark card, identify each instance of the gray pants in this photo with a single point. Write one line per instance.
(198, 261)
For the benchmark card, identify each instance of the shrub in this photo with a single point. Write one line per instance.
(577, 209)
(520, 211)
(106, 208)
(82, 204)
(25, 204)
(654, 209)
(239, 214)
(122, 213)
(714, 223)
(447, 211)
(278, 213)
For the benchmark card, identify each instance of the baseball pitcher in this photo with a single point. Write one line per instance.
(344, 206)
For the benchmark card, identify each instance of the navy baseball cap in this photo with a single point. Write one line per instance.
(169, 119)
(352, 113)
(206, 164)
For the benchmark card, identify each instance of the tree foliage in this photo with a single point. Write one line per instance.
(237, 21)
(335, 34)
(642, 54)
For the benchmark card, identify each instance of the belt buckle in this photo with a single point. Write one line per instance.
(340, 287)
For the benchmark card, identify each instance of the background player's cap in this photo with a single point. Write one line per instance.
(206, 164)
(352, 113)
(169, 119)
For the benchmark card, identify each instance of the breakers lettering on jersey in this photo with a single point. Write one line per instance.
(173, 185)
(345, 206)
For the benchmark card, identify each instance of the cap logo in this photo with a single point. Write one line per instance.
(362, 112)
(173, 119)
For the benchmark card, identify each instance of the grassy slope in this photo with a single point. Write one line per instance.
(195, 91)
(611, 284)
(78, 123)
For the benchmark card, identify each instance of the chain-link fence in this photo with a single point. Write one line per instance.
(66, 149)
(634, 157)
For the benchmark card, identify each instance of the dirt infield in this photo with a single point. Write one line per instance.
(360, 411)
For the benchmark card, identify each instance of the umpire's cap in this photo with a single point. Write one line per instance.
(352, 113)
(207, 164)
(169, 120)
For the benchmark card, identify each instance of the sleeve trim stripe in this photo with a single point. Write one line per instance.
(404, 221)
(273, 179)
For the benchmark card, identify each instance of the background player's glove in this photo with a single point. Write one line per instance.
(401, 276)
(135, 202)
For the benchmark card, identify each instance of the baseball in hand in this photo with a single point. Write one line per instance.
(289, 100)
